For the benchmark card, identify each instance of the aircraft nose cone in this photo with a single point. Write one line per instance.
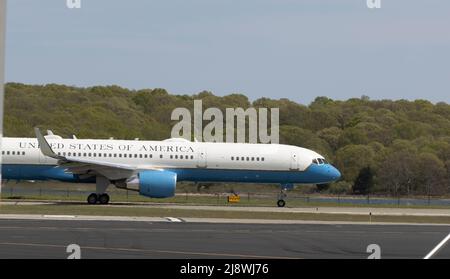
(334, 173)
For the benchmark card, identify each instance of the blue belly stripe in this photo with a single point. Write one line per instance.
(313, 175)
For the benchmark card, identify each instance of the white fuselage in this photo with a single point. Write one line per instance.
(20, 156)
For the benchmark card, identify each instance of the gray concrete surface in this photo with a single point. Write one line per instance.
(154, 239)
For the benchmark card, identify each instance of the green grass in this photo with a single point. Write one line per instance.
(166, 212)
(120, 196)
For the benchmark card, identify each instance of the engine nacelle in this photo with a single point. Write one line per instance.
(154, 184)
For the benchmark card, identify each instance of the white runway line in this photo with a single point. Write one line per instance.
(59, 216)
(437, 248)
(173, 219)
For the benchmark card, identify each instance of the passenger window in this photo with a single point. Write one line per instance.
(257, 158)
(161, 156)
(7, 152)
(242, 159)
(192, 157)
(253, 158)
(237, 158)
(181, 156)
(23, 152)
(176, 156)
(13, 153)
(135, 155)
(151, 155)
(262, 159)
(171, 156)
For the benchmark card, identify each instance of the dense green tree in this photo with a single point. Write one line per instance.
(352, 158)
(398, 172)
(364, 182)
(405, 144)
(431, 175)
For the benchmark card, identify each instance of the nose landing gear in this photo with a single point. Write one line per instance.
(283, 195)
(281, 203)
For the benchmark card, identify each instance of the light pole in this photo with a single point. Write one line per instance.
(2, 75)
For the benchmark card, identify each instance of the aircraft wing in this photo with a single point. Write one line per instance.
(86, 167)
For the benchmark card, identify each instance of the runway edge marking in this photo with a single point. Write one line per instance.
(437, 248)
(175, 220)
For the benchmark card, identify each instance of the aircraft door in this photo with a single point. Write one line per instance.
(201, 158)
(294, 161)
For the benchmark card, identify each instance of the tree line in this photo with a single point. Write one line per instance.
(380, 146)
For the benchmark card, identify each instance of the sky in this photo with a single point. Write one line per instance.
(261, 48)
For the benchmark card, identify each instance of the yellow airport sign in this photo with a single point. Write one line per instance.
(234, 198)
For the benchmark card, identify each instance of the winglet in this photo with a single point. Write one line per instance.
(44, 146)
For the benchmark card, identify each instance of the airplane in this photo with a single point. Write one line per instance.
(153, 168)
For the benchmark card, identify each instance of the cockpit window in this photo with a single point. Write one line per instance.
(319, 161)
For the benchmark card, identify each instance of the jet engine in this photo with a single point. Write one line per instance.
(152, 184)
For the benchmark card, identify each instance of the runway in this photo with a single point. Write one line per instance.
(181, 240)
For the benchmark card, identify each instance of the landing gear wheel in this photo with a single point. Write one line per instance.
(281, 203)
(92, 198)
(103, 199)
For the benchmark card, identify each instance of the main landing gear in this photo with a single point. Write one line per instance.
(95, 198)
(100, 196)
